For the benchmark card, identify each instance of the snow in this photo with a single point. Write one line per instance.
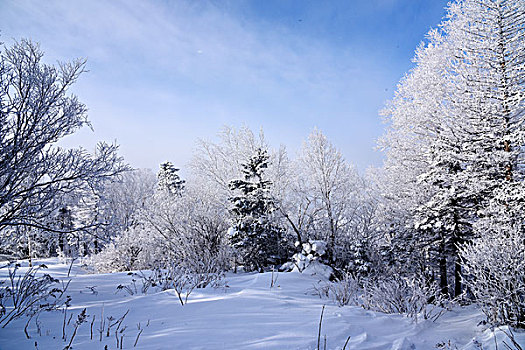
(245, 313)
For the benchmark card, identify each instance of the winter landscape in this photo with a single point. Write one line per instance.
(247, 240)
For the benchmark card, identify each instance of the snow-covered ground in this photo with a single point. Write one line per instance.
(244, 314)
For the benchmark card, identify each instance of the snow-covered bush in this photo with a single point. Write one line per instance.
(187, 228)
(119, 205)
(345, 291)
(181, 278)
(133, 249)
(192, 228)
(313, 250)
(394, 293)
(494, 266)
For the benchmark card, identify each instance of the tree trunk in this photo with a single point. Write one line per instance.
(443, 283)
(29, 249)
(443, 280)
(457, 278)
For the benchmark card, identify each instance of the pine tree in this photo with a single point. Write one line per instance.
(255, 237)
(169, 180)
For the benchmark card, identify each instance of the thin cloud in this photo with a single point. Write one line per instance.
(158, 66)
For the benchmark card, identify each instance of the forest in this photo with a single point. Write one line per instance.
(440, 226)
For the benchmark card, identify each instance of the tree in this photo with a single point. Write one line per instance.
(120, 205)
(168, 181)
(329, 190)
(444, 218)
(253, 234)
(414, 166)
(36, 111)
(215, 164)
(456, 140)
(485, 70)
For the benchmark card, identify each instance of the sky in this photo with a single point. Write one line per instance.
(163, 74)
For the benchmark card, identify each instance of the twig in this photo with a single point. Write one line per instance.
(72, 338)
(25, 328)
(80, 319)
(319, 334)
(102, 323)
(512, 338)
(118, 323)
(110, 318)
(137, 339)
(180, 298)
(346, 342)
(64, 323)
(120, 320)
(38, 325)
(92, 322)
(274, 280)
(70, 266)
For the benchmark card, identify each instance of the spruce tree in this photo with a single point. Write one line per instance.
(255, 237)
(169, 181)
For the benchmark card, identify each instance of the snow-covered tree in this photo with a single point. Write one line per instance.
(327, 195)
(168, 180)
(120, 205)
(36, 111)
(443, 218)
(487, 90)
(414, 117)
(254, 235)
(456, 134)
(218, 162)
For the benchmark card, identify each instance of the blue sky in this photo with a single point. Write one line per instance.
(164, 73)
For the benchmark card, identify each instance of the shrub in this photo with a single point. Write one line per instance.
(412, 296)
(27, 294)
(494, 269)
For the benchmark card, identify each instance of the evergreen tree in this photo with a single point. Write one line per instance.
(255, 237)
(169, 180)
